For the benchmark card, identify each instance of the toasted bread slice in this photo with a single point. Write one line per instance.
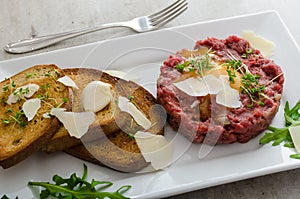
(105, 122)
(119, 150)
(19, 137)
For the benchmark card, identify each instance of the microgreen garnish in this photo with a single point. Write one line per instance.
(233, 64)
(28, 75)
(250, 84)
(131, 97)
(198, 64)
(13, 84)
(57, 73)
(5, 88)
(231, 75)
(64, 100)
(202, 63)
(17, 118)
(252, 87)
(282, 135)
(131, 135)
(248, 52)
(3, 101)
(48, 74)
(45, 88)
(79, 187)
(181, 66)
(22, 91)
(6, 121)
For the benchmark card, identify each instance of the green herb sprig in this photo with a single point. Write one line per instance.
(282, 135)
(79, 188)
(252, 87)
(11, 84)
(198, 64)
(248, 52)
(231, 75)
(250, 83)
(17, 118)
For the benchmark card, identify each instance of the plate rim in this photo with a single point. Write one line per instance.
(193, 186)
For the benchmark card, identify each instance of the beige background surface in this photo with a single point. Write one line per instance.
(22, 19)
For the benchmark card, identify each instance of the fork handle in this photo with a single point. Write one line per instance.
(32, 44)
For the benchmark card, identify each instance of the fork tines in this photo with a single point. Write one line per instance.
(167, 14)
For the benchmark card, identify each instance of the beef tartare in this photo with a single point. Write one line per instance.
(222, 91)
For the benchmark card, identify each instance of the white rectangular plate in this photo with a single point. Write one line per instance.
(140, 56)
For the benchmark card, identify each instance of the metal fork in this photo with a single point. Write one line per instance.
(139, 24)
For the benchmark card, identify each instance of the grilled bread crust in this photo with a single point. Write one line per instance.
(105, 119)
(18, 137)
(118, 150)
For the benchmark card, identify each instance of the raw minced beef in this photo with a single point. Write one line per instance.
(200, 118)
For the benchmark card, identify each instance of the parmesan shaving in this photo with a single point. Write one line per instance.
(213, 84)
(209, 84)
(77, 124)
(30, 108)
(116, 73)
(265, 46)
(193, 87)
(123, 75)
(229, 97)
(126, 106)
(67, 81)
(22, 92)
(155, 149)
(295, 134)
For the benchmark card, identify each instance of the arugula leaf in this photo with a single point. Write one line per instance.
(282, 135)
(6, 197)
(292, 115)
(79, 188)
(295, 156)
